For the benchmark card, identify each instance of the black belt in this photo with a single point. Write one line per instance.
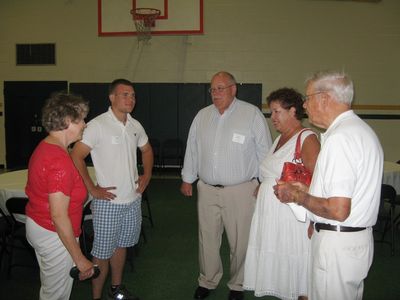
(217, 185)
(221, 186)
(323, 226)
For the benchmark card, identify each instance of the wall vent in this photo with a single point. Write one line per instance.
(36, 54)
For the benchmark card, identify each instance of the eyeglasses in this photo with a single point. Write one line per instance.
(307, 97)
(126, 95)
(219, 89)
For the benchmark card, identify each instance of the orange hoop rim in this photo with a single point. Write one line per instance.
(144, 13)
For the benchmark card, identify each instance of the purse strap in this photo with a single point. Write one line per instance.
(297, 152)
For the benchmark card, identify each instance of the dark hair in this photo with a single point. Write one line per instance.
(117, 82)
(61, 107)
(288, 98)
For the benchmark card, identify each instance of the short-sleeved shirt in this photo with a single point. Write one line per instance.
(51, 170)
(350, 165)
(113, 151)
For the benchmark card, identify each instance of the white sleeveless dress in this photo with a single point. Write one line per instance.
(277, 253)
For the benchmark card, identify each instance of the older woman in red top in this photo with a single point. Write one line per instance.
(56, 196)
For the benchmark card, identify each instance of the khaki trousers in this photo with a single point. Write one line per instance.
(338, 264)
(230, 208)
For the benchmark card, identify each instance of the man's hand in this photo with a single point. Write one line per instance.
(255, 193)
(310, 230)
(301, 186)
(290, 192)
(186, 189)
(143, 182)
(103, 193)
(285, 192)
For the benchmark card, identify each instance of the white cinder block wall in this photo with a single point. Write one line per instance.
(273, 42)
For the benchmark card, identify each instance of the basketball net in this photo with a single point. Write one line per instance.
(144, 19)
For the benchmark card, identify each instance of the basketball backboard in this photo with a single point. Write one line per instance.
(178, 17)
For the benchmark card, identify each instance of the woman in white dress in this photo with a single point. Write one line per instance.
(277, 254)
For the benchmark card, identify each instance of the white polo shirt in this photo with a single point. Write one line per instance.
(113, 151)
(350, 164)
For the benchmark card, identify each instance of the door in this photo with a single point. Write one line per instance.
(23, 101)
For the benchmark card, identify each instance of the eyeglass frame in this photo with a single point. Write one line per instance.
(219, 89)
(307, 97)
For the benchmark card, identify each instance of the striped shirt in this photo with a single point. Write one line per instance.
(226, 149)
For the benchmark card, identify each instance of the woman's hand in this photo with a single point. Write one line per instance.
(59, 204)
(86, 268)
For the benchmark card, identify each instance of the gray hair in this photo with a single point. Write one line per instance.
(60, 108)
(337, 83)
(228, 75)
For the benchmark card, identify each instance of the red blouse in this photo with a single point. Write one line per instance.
(51, 170)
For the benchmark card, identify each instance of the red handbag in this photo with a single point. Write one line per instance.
(295, 170)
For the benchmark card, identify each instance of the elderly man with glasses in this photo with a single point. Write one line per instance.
(344, 195)
(227, 142)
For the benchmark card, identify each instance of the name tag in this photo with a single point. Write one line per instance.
(238, 138)
(115, 140)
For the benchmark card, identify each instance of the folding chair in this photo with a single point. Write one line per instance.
(5, 232)
(16, 206)
(87, 233)
(386, 215)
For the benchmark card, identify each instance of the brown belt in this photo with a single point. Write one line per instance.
(323, 226)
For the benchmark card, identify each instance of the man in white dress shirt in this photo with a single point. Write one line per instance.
(227, 142)
(344, 195)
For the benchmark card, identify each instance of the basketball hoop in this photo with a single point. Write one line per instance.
(145, 19)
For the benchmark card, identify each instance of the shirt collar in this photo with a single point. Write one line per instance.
(114, 118)
(343, 116)
(230, 108)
